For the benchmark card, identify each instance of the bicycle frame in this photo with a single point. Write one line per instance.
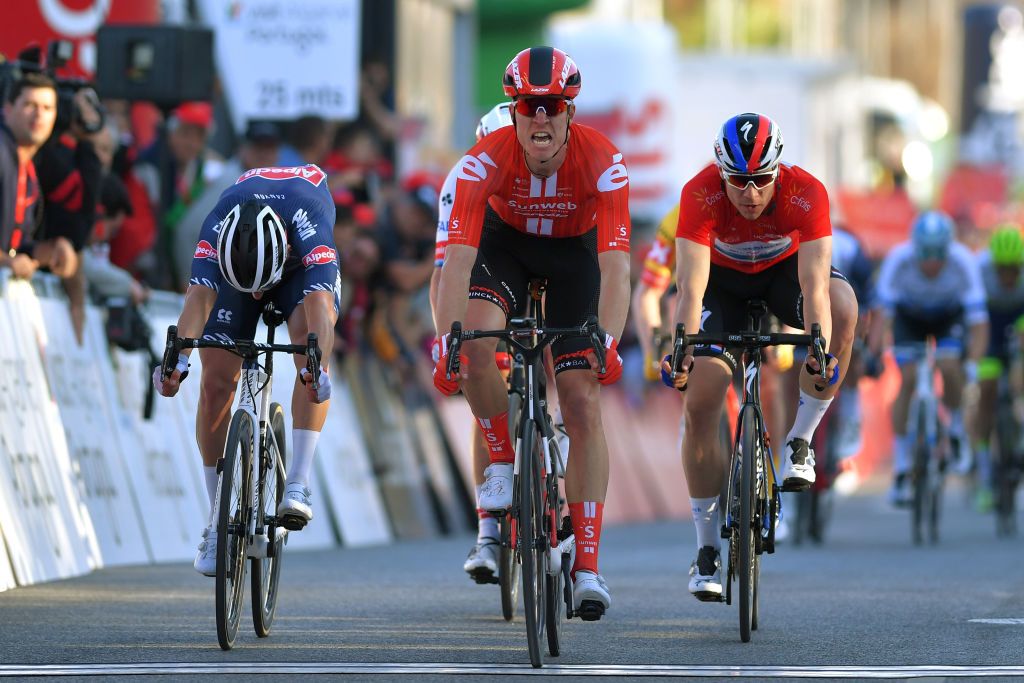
(925, 433)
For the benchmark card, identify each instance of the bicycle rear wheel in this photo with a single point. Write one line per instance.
(554, 586)
(266, 571)
(748, 565)
(232, 526)
(508, 568)
(530, 528)
(922, 499)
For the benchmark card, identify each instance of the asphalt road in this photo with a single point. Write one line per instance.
(867, 600)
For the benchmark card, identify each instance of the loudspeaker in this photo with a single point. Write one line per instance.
(166, 65)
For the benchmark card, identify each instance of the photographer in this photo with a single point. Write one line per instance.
(70, 175)
(29, 112)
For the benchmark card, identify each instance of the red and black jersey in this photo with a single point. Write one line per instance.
(19, 197)
(798, 212)
(589, 188)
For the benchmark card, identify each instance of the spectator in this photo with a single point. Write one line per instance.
(28, 117)
(357, 164)
(309, 141)
(176, 170)
(106, 280)
(359, 289)
(260, 147)
(70, 174)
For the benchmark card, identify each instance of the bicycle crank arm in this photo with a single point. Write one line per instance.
(260, 545)
(563, 548)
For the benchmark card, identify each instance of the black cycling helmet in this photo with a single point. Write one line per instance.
(251, 247)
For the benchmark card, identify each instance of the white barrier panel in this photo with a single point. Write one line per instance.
(82, 383)
(6, 573)
(344, 465)
(48, 532)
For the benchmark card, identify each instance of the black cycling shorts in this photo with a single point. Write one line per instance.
(508, 259)
(912, 326)
(729, 290)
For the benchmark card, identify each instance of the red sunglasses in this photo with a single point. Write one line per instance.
(760, 180)
(551, 104)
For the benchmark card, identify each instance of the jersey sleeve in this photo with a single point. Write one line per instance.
(697, 211)
(477, 175)
(205, 268)
(613, 223)
(812, 202)
(974, 298)
(445, 203)
(659, 264)
(886, 293)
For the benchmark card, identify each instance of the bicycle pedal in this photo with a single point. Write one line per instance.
(293, 522)
(483, 576)
(590, 610)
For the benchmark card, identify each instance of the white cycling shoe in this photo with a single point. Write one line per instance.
(496, 491)
(206, 557)
(482, 562)
(590, 597)
(798, 473)
(706, 575)
(296, 509)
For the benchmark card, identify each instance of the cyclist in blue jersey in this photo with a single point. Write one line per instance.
(269, 238)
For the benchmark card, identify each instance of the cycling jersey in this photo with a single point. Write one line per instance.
(1005, 306)
(902, 288)
(298, 194)
(660, 262)
(798, 212)
(589, 188)
(849, 258)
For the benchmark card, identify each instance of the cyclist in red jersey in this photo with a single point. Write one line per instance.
(543, 198)
(750, 227)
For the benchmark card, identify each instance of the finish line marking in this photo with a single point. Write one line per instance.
(169, 668)
(1005, 622)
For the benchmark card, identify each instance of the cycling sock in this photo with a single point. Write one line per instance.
(586, 526)
(487, 527)
(808, 415)
(303, 449)
(900, 454)
(496, 435)
(984, 459)
(705, 519)
(956, 422)
(211, 477)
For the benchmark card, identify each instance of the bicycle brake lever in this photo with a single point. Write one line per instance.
(454, 342)
(678, 349)
(171, 350)
(596, 342)
(313, 358)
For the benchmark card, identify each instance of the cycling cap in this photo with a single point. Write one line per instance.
(1007, 245)
(499, 117)
(542, 71)
(931, 235)
(748, 144)
(251, 247)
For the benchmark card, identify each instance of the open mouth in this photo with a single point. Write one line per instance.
(541, 139)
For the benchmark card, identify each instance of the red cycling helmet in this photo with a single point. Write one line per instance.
(542, 71)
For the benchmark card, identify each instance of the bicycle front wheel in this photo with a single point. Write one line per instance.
(266, 571)
(533, 543)
(750, 442)
(232, 526)
(508, 568)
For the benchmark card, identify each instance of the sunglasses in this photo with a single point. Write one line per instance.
(931, 253)
(760, 180)
(552, 105)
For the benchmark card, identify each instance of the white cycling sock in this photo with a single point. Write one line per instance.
(487, 527)
(211, 477)
(808, 415)
(901, 454)
(705, 519)
(303, 450)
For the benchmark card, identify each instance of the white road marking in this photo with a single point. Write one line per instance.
(1012, 621)
(855, 672)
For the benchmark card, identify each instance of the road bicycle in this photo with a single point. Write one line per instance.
(752, 508)
(249, 489)
(537, 535)
(1008, 446)
(928, 438)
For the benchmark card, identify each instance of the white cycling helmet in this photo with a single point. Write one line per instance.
(496, 118)
(252, 246)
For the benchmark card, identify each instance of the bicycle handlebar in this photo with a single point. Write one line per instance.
(752, 340)
(544, 336)
(246, 348)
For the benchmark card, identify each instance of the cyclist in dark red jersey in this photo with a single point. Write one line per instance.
(542, 198)
(751, 227)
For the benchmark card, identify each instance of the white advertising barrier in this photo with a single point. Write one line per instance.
(343, 464)
(82, 384)
(281, 59)
(6, 573)
(47, 529)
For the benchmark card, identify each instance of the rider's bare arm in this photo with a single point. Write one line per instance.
(199, 302)
(435, 280)
(977, 341)
(320, 318)
(453, 287)
(693, 267)
(814, 268)
(646, 315)
(614, 303)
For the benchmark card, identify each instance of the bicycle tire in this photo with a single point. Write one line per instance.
(232, 526)
(532, 561)
(553, 580)
(265, 572)
(748, 526)
(1004, 472)
(508, 568)
(919, 470)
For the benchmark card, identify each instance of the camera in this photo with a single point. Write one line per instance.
(58, 53)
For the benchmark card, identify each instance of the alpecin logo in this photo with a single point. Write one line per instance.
(205, 250)
(319, 256)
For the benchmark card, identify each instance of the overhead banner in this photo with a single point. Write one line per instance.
(281, 59)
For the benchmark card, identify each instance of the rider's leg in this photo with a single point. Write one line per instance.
(953, 384)
(703, 459)
(982, 424)
(901, 454)
(482, 381)
(586, 477)
(216, 394)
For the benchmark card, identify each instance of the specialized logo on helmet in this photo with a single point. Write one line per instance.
(745, 129)
(614, 177)
(319, 256)
(311, 173)
(205, 250)
(474, 168)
